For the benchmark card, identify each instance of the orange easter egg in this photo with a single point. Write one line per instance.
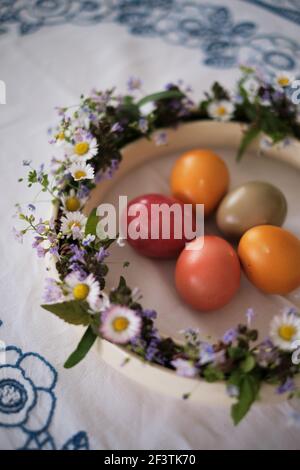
(271, 259)
(200, 177)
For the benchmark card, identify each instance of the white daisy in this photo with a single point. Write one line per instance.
(87, 289)
(283, 79)
(285, 330)
(72, 202)
(221, 110)
(81, 171)
(83, 150)
(73, 224)
(120, 324)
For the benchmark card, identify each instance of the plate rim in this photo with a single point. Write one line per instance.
(146, 374)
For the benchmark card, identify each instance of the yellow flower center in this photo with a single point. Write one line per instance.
(81, 291)
(120, 324)
(283, 81)
(287, 332)
(72, 204)
(81, 148)
(79, 174)
(60, 136)
(221, 111)
(74, 223)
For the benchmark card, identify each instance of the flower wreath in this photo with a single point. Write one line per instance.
(89, 140)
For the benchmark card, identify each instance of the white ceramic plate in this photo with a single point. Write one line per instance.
(146, 168)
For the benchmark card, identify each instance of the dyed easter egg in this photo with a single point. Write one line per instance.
(253, 203)
(207, 273)
(200, 177)
(270, 257)
(156, 231)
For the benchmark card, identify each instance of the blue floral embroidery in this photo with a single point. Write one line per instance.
(188, 23)
(289, 9)
(27, 401)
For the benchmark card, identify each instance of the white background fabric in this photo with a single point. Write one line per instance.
(50, 67)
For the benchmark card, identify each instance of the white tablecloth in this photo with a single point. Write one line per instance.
(51, 52)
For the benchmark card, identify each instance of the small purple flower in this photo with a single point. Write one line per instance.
(207, 354)
(88, 239)
(232, 390)
(37, 241)
(160, 138)
(108, 173)
(250, 314)
(287, 386)
(229, 336)
(291, 311)
(294, 418)
(134, 83)
(60, 111)
(40, 228)
(52, 292)
(266, 353)
(83, 192)
(54, 251)
(100, 98)
(266, 98)
(41, 252)
(102, 254)
(169, 86)
(77, 254)
(117, 127)
(93, 117)
(152, 349)
(31, 207)
(151, 314)
(143, 125)
(79, 270)
(237, 98)
(18, 235)
(40, 172)
(184, 368)
(52, 223)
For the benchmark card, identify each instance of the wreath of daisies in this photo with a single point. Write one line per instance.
(87, 141)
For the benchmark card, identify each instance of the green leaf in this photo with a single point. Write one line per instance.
(219, 92)
(82, 349)
(248, 390)
(92, 222)
(161, 95)
(236, 352)
(248, 364)
(212, 374)
(122, 294)
(72, 312)
(32, 176)
(248, 137)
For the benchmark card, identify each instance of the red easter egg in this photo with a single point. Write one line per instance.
(208, 273)
(155, 234)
